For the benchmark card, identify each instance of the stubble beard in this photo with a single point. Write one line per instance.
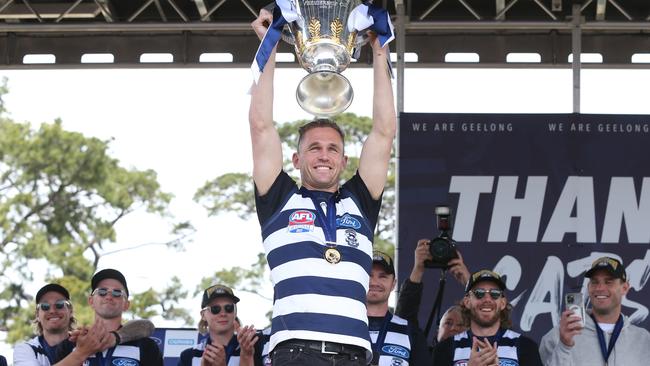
(476, 318)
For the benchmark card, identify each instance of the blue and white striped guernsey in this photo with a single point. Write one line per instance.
(396, 347)
(315, 299)
(506, 347)
(192, 356)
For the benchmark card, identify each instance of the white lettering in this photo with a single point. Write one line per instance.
(528, 208)
(550, 283)
(469, 189)
(622, 203)
(578, 192)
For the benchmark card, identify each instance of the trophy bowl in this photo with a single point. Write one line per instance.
(323, 45)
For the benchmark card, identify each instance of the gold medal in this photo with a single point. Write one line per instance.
(332, 255)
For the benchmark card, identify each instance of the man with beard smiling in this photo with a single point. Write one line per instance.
(395, 341)
(488, 341)
(606, 329)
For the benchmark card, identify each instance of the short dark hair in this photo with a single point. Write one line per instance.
(319, 123)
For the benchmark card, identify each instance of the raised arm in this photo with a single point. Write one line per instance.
(267, 148)
(375, 155)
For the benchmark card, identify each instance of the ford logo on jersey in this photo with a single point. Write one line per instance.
(348, 221)
(507, 362)
(301, 221)
(125, 362)
(394, 350)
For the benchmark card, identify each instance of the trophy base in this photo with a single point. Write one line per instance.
(324, 93)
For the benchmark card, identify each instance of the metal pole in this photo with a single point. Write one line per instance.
(576, 46)
(401, 46)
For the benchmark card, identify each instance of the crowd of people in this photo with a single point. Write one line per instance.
(331, 289)
(476, 331)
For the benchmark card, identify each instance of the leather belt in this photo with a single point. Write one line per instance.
(329, 348)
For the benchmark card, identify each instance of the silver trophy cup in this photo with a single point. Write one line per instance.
(323, 46)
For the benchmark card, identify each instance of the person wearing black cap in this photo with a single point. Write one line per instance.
(222, 346)
(395, 341)
(54, 319)
(109, 299)
(608, 337)
(3, 361)
(488, 341)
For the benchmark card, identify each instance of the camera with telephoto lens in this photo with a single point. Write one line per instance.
(443, 247)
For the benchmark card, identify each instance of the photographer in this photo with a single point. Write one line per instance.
(410, 296)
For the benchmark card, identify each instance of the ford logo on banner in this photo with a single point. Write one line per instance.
(125, 362)
(158, 341)
(394, 350)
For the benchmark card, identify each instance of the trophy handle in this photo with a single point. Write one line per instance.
(324, 93)
(286, 36)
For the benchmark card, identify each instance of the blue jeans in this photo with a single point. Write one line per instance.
(301, 353)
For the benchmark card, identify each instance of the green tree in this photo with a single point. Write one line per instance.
(233, 192)
(61, 195)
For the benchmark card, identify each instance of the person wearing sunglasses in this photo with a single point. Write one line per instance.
(223, 345)
(54, 319)
(394, 340)
(109, 299)
(605, 336)
(488, 341)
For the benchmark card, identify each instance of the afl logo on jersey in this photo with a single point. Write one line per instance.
(301, 221)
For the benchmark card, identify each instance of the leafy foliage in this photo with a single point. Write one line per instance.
(61, 195)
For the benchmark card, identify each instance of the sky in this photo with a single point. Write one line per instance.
(191, 125)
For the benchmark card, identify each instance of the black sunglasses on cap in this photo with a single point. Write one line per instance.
(58, 305)
(104, 291)
(216, 309)
(495, 293)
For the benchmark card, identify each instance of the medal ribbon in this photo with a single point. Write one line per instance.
(50, 352)
(607, 350)
(381, 337)
(328, 220)
(231, 347)
(103, 361)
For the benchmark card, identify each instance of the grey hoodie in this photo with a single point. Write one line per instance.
(632, 347)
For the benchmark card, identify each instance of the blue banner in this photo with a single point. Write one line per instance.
(536, 197)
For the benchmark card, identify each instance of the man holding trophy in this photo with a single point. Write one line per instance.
(318, 237)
